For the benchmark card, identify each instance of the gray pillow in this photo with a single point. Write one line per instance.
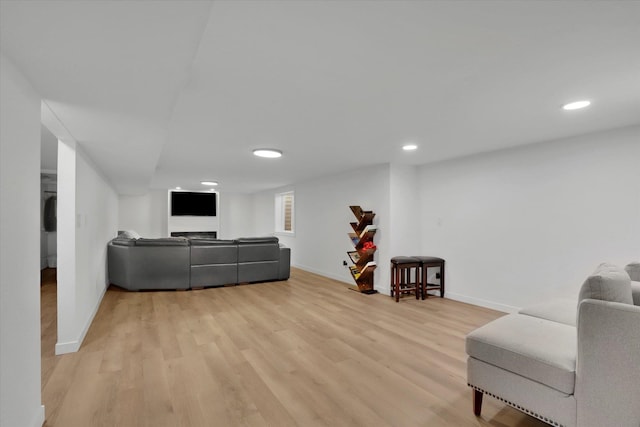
(633, 269)
(608, 283)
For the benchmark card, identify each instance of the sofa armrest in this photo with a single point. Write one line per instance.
(118, 268)
(607, 374)
(284, 263)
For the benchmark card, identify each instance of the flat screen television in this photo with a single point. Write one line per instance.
(187, 203)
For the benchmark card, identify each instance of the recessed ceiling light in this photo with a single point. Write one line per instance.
(409, 147)
(208, 183)
(576, 105)
(267, 152)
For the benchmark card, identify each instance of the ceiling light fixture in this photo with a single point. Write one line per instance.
(269, 153)
(576, 105)
(178, 188)
(409, 147)
(208, 183)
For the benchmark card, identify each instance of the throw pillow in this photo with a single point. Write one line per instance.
(608, 283)
(129, 234)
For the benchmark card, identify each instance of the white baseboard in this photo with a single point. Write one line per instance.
(482, 302)
(38, 417)
(67, 347)
(73, 346)
(456, 297)
(322, 273)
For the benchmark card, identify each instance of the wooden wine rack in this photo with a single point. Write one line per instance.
(362, 257)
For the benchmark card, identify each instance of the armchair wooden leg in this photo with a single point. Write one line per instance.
(477, 402)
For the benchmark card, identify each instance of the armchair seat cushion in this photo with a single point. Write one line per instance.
(537, 349)
(561, 310)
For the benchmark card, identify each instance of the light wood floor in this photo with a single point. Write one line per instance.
(304, 352)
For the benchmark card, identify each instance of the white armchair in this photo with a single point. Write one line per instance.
(583, 373)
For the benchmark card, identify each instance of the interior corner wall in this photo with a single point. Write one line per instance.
(87, 219)
(236, 216)
(145, 214)
(404, 210)
(20, 401)
(522, 225)
(66, 271)
(322, 218)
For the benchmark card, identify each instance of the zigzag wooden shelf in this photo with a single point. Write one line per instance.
(362, 257)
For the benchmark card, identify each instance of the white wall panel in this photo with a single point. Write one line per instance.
(523, 225)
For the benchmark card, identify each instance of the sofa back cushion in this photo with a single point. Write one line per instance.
(608, 283)
(163, 241)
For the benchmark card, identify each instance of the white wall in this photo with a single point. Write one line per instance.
(96, 225)
(66, 271)
(522, 225)
(87, 220)
(264, 212)
(236, 216)
(404, 209)
(148, 215)
(322, 218)
(20, 402)
(145, 214)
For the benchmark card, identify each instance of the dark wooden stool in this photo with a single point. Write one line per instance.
(401, 267)
(425, 263)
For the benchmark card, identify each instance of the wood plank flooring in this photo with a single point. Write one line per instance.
(303, 352)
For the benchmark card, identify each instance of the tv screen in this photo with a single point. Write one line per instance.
(186, 203)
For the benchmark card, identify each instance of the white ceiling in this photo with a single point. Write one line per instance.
(168, 93)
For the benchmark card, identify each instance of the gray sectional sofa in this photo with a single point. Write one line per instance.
(181, 263)
(566, 362)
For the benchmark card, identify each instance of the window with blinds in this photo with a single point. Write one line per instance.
(285, 220)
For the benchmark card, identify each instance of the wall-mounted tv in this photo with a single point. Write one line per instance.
(187, 203)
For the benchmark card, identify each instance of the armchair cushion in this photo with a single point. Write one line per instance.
(608, 283)
(562, 310)
(540, 350)
(633, 270)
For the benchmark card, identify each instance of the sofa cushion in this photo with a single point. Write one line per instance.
(164, 241)
(540, 350)
(250, 240)
(211, 242)
(214, 254)
(608, 283)
(633, 270)
(562, 310)
(258, 271)
(258, 252)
